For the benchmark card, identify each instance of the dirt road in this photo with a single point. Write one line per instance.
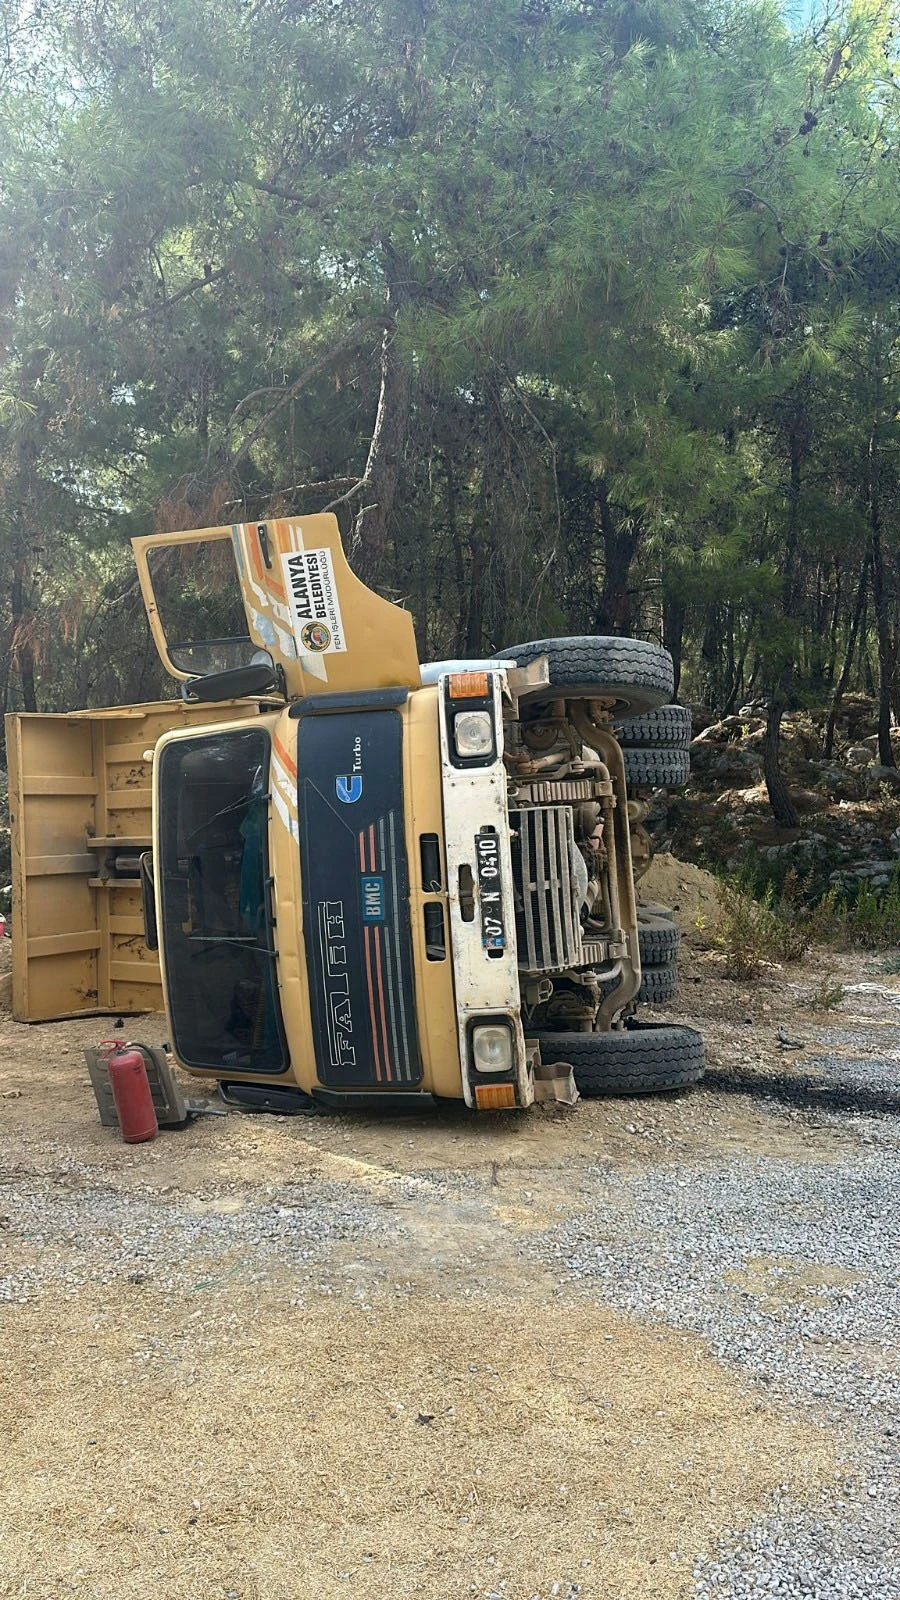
(517, 1357)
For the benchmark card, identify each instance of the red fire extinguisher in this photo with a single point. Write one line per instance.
(131, 1092)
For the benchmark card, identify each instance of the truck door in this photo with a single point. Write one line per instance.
(216, 597)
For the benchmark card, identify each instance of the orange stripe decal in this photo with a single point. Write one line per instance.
(284, 758)
(372, 1005)
(268, 578)
(372, 848)
(251, 547)
(387, 1056)
(362, 850)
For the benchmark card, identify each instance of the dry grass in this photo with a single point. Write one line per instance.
(227, 1445)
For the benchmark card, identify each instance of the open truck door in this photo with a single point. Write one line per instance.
(222, 600)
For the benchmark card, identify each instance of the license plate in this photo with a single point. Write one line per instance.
(487, 856)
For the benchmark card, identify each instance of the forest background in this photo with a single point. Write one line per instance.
(581, 314)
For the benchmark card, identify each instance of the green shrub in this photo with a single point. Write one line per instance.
(787, 919)
(754, 933)
(885, 808)
(827, 995)
(872, 920)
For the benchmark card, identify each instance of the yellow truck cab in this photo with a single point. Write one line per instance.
(357, 878)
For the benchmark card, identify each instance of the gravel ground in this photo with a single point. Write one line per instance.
(81, 1233)
(792, 1273)
(633, 1348)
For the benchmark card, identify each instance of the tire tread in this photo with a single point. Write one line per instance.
(647, 1058)
(638, 671)
(667, 726)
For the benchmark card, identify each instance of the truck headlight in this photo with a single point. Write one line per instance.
(492, 1047)
(473, 733)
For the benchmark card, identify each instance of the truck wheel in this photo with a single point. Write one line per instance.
(658, 941)
(635, 673)
(643, 1058)
(667, 726)
(649, 910)
(658, 984)
(656, 769)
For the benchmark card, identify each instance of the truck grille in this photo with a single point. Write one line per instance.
(548, 931)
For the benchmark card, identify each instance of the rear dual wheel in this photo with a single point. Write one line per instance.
(658, 940)
(668, 727)
(658, 985)
(655, 748)
(656, 769)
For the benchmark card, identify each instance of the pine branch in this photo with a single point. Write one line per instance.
(288, 394)
(166, 303)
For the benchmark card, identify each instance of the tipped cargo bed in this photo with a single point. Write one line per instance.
(80, 801)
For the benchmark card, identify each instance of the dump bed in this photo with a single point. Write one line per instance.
(80, 803)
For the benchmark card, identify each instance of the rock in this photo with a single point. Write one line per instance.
(6, 991)
(859, 756)
(806, 800)
(877, 774)
(835, 781)
(812, 846)
(877, 874)
(714, 734)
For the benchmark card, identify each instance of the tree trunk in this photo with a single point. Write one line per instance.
(844, 679)
(615, 607)
(711, 656)
(22, 649)
(729, 650)
(734, 692)
(674, 616)
(459, 569)
(834, 627)
(882, 603)
(385, 458)
(474, 635)
(779, 798)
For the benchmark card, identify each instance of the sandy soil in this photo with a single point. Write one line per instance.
(416, 1407)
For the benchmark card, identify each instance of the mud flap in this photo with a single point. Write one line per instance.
(556, 1082)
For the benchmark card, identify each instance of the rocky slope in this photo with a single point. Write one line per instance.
(849, 804)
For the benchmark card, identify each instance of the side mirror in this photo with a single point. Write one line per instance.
(237, 683)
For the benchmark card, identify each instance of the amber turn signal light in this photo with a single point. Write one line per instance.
(495, 1096)
(469, 686)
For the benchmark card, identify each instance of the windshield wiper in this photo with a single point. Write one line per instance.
(244, 941)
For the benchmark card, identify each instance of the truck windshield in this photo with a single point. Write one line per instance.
(216, 921)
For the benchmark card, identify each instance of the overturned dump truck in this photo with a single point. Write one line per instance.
(349, 878)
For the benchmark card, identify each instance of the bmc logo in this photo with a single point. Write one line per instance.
(349, 790)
